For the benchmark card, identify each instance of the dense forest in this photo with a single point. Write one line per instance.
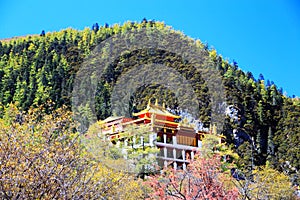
(35, 70)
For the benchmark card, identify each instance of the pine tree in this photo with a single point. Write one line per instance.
(258, 141)
(95, 27)
(270, 150)
(42, 33)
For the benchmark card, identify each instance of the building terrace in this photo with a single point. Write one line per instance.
(177, 142)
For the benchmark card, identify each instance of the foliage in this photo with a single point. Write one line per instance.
(266, 183)
(209, 176)
(42, 158)
(287, 150)
(128, 153)
(36, 69)
(212, 144)
(202, 180)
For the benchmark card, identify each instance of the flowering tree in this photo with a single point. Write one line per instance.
(203, 179)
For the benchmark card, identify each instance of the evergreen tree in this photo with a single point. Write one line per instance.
(261, 77)
(42, 33)
(95, 27)
(36, 69)
(258, 142)
(271, 150)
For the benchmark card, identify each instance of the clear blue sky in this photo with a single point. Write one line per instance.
(262, 36)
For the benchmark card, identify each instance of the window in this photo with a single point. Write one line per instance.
(184, 140)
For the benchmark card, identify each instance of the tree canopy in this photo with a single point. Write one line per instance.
(37, 69)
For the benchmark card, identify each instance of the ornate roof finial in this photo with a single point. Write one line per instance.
(214, 129)
(156, 102)
(164, 105)
(149, 103)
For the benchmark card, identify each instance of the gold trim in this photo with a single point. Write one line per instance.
(166, 122)
(151, 109)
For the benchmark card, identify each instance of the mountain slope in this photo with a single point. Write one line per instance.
(38, 69)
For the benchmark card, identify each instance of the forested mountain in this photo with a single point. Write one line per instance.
(37, 69)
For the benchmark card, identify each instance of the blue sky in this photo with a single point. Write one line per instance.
(262, 36)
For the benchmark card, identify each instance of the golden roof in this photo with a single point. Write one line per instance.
(111, 118)
(156, 109)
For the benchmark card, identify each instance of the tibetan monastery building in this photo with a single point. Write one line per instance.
(177, 143)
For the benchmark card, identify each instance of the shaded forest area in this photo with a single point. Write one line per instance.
(38, 69)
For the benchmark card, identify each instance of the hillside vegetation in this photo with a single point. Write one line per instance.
(40, 69)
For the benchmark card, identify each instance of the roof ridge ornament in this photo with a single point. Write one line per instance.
(149, 103)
